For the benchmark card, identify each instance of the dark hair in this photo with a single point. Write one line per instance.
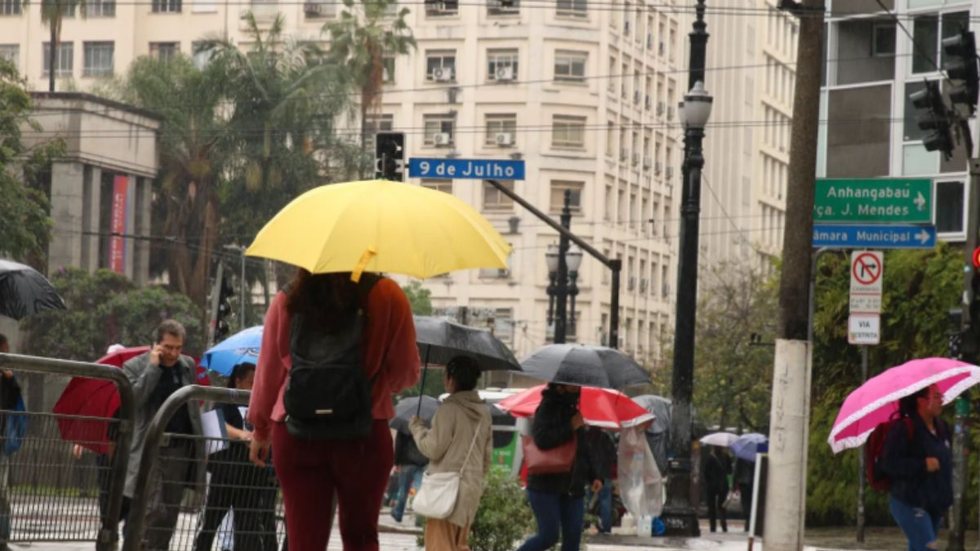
(464, 371)
(908, 405)
(171, 327)
(3, 339)
(327, 301)
(239, 372)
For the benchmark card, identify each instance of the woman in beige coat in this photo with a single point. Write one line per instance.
(462, 421)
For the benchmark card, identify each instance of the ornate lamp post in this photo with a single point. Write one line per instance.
(574, 261)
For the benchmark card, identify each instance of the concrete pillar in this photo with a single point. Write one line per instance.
(92, 207)
(67, 187)
(128, 242)
(143, 200)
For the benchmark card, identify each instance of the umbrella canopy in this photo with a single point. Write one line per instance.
(24, 291)
(410, 406)
(584, 365)
(440, 340)
(722, 439)
(877, 399)
(660, 408)
(240, 347)
(746, 446)
(380, 226)
(600, 407)
(86, 404)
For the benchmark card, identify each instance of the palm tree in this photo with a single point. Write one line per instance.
(53, 13)
(360, 40)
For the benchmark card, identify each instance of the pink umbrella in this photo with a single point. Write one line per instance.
(600, 407)
(876, 400)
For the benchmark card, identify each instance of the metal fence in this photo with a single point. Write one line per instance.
(54, 486)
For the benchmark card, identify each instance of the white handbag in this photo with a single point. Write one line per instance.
(437, 495)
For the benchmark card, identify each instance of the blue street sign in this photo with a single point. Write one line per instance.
(475, 169)
(871, 236)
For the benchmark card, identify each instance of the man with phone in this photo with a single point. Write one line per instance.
(155, 376)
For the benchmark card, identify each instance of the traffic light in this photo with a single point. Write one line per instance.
(970, 339)
(224, 310)
(389, 156)
(960, 64)
(934, 118)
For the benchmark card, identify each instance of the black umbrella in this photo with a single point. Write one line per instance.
(423, 406)
(24, 291)
(585, 365)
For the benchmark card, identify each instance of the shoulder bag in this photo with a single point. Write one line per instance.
(437, 495)
(559, 459)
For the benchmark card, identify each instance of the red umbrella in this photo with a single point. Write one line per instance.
(98, 400)
(600, 407)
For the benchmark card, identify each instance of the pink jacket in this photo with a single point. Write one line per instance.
(389, 351)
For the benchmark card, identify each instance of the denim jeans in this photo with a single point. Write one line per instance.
(408, 476)
(555, 513)
(920, 526)
(603, 504)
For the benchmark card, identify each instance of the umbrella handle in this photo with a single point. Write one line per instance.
(425, 369)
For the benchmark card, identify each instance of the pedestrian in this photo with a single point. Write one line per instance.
(557, 499)
(716, 468)
(409, 463)
(155, 376)
(236, 485)
(919, 464)
(745, 478)
(371, 320)
(600, 503)
(10, 400)
(460, 440)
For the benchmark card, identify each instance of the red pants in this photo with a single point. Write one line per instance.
(311, 472)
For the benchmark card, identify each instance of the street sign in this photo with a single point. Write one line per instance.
(867, 268)
(864, 329)
(854, 236)
(475, 169)
(879, 200)
(865, 304)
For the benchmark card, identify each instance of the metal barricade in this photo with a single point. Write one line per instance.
(221, 477)
(52, 491)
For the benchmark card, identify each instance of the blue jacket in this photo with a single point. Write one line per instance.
(904, 461)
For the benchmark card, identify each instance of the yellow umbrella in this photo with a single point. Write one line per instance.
(380, 226)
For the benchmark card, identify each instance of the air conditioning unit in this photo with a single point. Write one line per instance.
(442, 138)
(661, 108)
(504, 73)
(504, 139)
(313, 9)
(442, 74)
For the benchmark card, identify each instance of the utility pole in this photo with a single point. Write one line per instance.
(790, 413)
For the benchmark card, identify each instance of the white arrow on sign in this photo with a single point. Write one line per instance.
(923, 237)
(920, 202)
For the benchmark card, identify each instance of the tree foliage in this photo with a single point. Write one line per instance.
(104, 308)
(53, 13)
(419, 297)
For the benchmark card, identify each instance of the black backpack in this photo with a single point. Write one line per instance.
(328, 394)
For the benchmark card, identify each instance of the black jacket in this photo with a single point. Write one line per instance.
(717, 466)
(904, 461)
(551, 428)
(407, 452)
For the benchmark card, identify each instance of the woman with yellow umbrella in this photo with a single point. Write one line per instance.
(341, 341)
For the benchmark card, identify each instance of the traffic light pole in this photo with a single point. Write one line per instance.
(215, 298)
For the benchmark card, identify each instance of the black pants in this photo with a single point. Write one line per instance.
(716, 508)
(746, 491)
(247, 490)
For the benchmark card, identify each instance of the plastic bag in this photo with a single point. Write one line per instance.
(640, 482)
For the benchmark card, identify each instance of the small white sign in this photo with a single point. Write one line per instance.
(865, 304)
(867, 268)
(864, 329)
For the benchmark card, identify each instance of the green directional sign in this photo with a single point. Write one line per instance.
(877, 200)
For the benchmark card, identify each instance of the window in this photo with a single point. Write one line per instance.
(503, 7)
(64, 63)
(445, 186)
(441, 7)
(374, 124)
(164, 51)
(502, 65)
(494, 199)
(100, 8)
(573, 8)
(318, 10)
(201, 55)
(440, 66)
(927, 33)
(501, 130)
(10, 53)
(558, 189)
(439, 130)
(568, 132)
(165, 6)
(388, 69)
(98, 59)
(570, 66)
(10, 7)
(883, 43)
(949, 207)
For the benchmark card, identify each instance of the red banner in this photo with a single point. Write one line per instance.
(117, 243)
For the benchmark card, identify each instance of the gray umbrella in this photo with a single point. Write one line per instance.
(440, 340)
(657, 433)
(585, 365)
(24, 291)
(409, 406)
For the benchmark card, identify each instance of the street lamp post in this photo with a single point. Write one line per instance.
(574, 259)
(679, 515)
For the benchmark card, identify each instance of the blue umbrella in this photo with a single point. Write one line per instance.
(746, 446)
(240, 347)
